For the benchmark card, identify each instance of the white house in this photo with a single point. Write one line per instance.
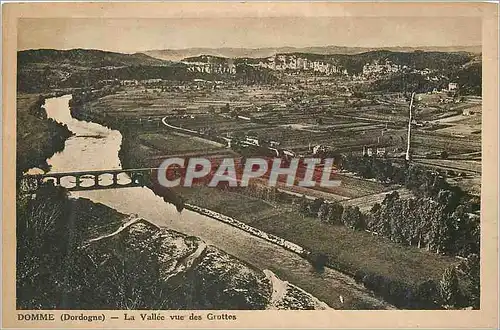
(452, 86)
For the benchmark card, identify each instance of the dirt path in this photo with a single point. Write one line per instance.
(129, 223)
(279, 289)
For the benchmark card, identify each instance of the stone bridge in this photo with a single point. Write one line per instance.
(90, 180)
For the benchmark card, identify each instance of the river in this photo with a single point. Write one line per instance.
(94, 147)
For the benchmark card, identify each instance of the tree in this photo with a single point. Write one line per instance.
(353, 218)
(42, 246)
(448, 287)
(335, 213)
(471, 270)
(315, 206)
(463, 228)
(225, 109)
(389, 199)
(318, 260)
(303, 205)
(427, 294)
(323, 212)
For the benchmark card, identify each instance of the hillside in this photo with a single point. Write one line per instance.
(102, 259)
(354, 62)
(40, 70)
(47, 69)
(207, 58)
(417, 60)
(38, 137)
(387, 70)
(84, 58)
(178, 54)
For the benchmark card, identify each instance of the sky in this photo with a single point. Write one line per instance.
(134, 35)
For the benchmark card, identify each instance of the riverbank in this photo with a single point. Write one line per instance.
(38, 137)
(251, 230)
(351, 252)
(113, 261)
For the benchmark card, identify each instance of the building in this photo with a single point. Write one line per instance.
(151, 81)
(129, 82)
(367, 151)
(381, 151)
(452, 86)
(252, 140)
(467, 112)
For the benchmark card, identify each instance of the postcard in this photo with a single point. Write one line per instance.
(250, 165)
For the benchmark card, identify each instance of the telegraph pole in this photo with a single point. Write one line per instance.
(409, 129)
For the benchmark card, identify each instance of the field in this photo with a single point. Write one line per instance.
(177, 144)
(195, 99)
(278, 119)
(453, 144)
(299, 119)
(355, 249)
(350, 187)
(467, 166)
(299, 116)
(365, 203)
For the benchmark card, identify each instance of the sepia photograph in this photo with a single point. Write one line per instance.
(250, 162)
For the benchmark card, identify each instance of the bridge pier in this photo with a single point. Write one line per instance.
(137, 176)
(115, 178)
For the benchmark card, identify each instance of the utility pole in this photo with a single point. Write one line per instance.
(409, 129)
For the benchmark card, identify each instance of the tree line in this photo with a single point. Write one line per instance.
(33, 79)
(420, 180)
(438, 219)
(34, 152)
(56, 267)
(419, 222)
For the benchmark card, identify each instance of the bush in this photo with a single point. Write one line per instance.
(318, 260)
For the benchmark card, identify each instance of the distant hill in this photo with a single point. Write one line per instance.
(442, 61)
(47, 69)
(178, 54)
(207, 58)
(353, 63)
(85, 58)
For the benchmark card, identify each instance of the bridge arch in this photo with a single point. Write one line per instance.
(104, 179)
(123, 178)
(92, 180)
